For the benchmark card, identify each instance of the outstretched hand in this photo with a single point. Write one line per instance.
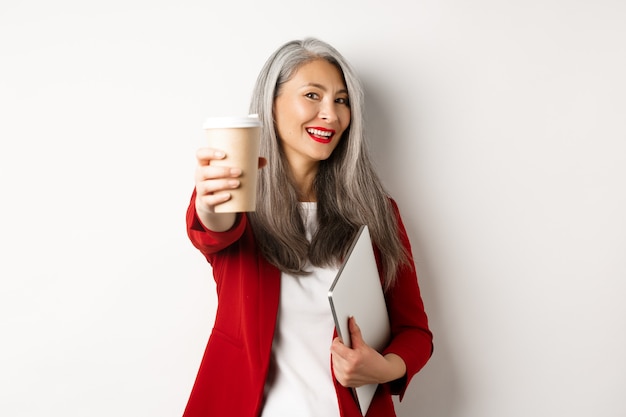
(214, 182)
(361, 364)
(213, 186)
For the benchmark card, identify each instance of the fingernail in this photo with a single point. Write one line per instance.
(233, 183)
(235, 171)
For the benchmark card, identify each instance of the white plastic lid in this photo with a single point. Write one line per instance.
(226, 122)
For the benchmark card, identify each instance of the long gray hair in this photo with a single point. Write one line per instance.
(349, 192)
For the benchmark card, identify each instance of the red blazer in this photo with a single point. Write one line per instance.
(231, 378)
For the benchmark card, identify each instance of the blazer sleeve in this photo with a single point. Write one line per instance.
(207, 241)
(411, 338)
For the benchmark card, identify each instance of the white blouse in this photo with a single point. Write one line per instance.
(300, 380)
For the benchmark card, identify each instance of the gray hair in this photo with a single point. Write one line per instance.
(349, 193)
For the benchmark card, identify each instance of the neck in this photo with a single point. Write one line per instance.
(303, 180)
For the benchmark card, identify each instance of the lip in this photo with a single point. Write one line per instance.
(320, 138)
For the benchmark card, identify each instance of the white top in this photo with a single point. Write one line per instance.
(300, 380)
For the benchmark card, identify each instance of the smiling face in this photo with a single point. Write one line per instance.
(311, 112)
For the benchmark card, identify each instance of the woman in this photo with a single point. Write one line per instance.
(272, 351)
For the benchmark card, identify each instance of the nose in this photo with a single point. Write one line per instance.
(327, 111)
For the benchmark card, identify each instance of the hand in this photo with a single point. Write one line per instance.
(361, 364)
(212, 186)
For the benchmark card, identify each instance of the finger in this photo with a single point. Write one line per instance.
(339, 350)
(209, 172)
(355, 333)
(205, 155)
(343, 366)
(337, 345)
(339, 362)
(211, 200)
(214, 186)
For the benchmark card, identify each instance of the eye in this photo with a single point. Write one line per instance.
(312, 96)
(343, 100)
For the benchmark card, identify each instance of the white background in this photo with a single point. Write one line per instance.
(498, 126)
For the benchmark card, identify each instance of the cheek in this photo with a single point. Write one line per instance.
(302, 112)
(282, 121)
(346, 118)
(289, 117)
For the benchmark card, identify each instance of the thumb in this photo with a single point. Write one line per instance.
(356, 337)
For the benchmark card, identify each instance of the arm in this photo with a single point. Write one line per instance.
(210, 231)
(411, 340)
(209, 241)
(361, 364)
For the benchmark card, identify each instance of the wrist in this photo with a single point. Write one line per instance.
(215, 222)
(396, 368)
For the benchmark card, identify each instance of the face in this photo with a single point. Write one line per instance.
(312, 111)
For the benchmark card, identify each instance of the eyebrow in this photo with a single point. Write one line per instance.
(321, 87)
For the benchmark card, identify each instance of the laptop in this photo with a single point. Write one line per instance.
(357, 291)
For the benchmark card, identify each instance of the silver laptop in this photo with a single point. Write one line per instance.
(357, 291)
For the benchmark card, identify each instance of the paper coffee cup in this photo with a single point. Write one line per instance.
(239, 139)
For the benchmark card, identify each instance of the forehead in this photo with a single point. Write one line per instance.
(320, 72)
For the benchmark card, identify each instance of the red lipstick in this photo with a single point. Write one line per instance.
(320, 134)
